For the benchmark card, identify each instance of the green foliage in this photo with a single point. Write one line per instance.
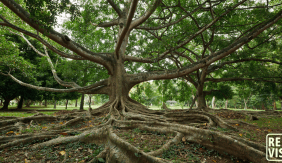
(145, 93)
(224, 92)
(45, 11)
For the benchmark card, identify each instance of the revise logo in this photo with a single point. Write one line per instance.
(274, 147)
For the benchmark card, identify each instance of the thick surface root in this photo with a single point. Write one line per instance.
(191, 126)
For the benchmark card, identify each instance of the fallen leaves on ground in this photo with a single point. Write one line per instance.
(62, 153)
(231, 115)
(10, 132)
(64, 133)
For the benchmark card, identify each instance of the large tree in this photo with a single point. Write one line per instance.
(123, 35)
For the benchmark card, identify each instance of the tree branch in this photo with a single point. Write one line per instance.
(57, 37)
(63, 54)
(115, 7)
(137, 59)
(148, 13)
(213, 68)
(162, 26)
(126, 28)
(239, 79)
(107, 24)
(61, 82)
(157, 75)
(81, 89)
(180, 45)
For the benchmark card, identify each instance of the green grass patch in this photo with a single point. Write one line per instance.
(22, 114)
(273, 123)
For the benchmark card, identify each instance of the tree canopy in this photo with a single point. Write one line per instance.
(141, 33)
(132, 42)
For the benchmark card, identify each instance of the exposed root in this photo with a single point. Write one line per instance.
(24, 141)
(125, 113)
(28, 119)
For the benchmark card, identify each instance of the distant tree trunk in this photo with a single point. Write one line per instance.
(75, 103)
(207, 102)
(45, 103)
(93, 102)
(40, 103)
(55, 103)
(262, 107)
(28, 103)
(1, 102)
(81, 102)
(67, 104)
(89, 101)
(165, 107)
(226, 104)
(20, 103)
(196, 102)
(245, 102)
(274, 105)
(6, 104)
(213, 102)
(193, 101)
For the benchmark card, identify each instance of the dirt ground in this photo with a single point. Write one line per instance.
(147, 141)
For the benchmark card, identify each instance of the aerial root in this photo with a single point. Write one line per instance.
(9, 128)
(71, 122)
(114, 113)
(102, 154)
(119, 150)
(122, 151)
(166, 146)
(27, 120)
(211, 139)
(195, 116)
(250, 143)
(25, 140)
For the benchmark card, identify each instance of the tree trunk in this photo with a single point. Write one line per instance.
(262, 107)
(45, 103)
(201, 101)
(55, 103)
(67, 104)
(6, 104)
(93, 102)
(1, 102)
(81, 102)
(75, 103)
(165, 107)
(196, 101)
(89, 101)
(28, 103)
(226, 104)
(213, 102)
(274, 105)
(245, 102)
(20, 103)
(281, 105)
